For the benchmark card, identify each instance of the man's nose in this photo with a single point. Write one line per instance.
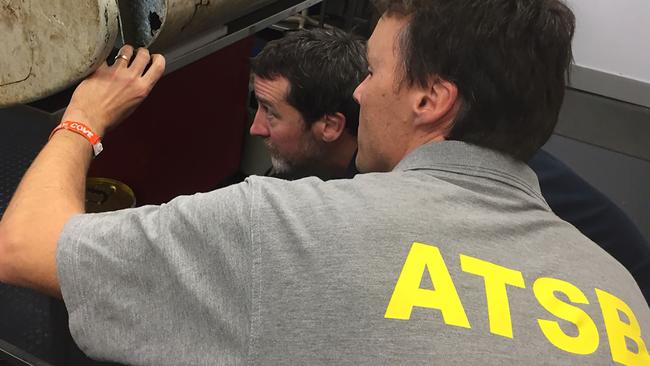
(259, 126)
(357, 92)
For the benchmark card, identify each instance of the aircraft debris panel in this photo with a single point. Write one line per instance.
(158, 24)
(49, 45)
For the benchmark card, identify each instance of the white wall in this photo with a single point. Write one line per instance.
(613, 36)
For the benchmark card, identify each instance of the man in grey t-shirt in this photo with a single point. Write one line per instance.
(444, 253)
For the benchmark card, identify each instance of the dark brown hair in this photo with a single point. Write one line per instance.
(323, 68)
(508, 58)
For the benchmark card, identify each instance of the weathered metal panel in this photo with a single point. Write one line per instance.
(49, 45)
(158, 24)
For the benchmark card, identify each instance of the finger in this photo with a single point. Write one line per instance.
(124, 56)
(156, 69)
(141, 61)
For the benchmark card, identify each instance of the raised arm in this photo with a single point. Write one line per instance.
(52, 190)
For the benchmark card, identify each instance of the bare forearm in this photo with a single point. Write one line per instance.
(50, 193)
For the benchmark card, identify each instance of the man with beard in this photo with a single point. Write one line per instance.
(306, 113)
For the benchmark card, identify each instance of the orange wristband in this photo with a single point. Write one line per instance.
(83, 130)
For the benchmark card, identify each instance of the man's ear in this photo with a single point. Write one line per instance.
(330, 127)
(436, 104)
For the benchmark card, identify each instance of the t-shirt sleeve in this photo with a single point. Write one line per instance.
(163, 285)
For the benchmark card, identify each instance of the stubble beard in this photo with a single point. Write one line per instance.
(311, 155)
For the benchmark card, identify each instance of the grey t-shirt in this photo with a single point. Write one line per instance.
(454, 258)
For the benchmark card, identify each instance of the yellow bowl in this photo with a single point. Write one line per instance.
(104, 194)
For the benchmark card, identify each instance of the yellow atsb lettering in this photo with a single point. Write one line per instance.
(408, 293)
(496, 278)
(618, 331)
(586, 342)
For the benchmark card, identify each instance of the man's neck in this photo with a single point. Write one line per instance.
(342, 155)
(334, 163)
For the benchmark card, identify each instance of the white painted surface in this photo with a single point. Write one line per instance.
(613, 36)
(48, 46)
